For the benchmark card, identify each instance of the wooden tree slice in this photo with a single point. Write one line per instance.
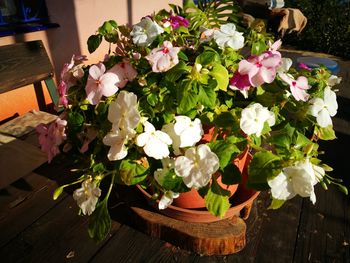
(217, 238)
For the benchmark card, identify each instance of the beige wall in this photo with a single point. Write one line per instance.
(78, 19)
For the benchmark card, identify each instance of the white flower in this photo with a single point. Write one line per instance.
(298, 179)
(123, 112)
(334, 80)
(117, 140)
(145, 32)
(197, 166)
(87, 196)
(159, 174)
(184, 132)
(154, 143)
(254, 117)
(167, 199)
(324, 109)
(227, 36)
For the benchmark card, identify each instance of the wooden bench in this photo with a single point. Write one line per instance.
(24, 64)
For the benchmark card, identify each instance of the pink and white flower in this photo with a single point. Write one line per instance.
(117, 139)
(125, 72)
(167, 199)
(298, 87)
(241, 83)
(260, 69)
(100, 83)
(164, 58)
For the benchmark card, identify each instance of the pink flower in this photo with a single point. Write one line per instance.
(62, 94)
(241, 83)
(273, 47)
(260, 69)
(303, 66)
(297, 87)
(125, 73)
(51, 136)
(164, 58)
(177, 21)
(100, 83)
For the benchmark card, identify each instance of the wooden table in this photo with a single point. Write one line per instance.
(34, 228)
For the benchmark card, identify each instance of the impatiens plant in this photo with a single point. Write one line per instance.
(184, 93)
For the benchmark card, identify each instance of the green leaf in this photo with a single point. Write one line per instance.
(258, 47)
(176, 72)
(275, 204)
(207, 57)
(98, 168)
(152, 99)
(220, 74)
(301, 140)
(264, 165)
(99, 222)
(224, 150)
(131, 172)
(187, 98)
(231, 175)
(216, 199)
(207, 96)
(225, 119)
(326, 133)
(173, 182)
(182, 55)
(75, 121)
(94, 42)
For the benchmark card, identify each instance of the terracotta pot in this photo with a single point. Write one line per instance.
(241, 203)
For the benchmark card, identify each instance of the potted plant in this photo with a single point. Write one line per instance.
(180, 96)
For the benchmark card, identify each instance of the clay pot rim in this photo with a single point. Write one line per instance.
(250, 199)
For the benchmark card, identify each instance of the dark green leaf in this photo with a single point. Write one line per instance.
(187, 98)
(131, 172)
(176, 72)
(94, 42)
(231, 175)
(174, 183)
(99, 222)
(98, 168)
(225, 119)
(75, 121)
(182, 55)
(216, 199)
(264, 165)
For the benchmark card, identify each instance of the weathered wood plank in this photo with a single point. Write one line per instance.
(324, 232)
(57, 236)
(24, 202)
(129, 245)
(23, 64)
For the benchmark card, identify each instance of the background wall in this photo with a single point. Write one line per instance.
(78, 19)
